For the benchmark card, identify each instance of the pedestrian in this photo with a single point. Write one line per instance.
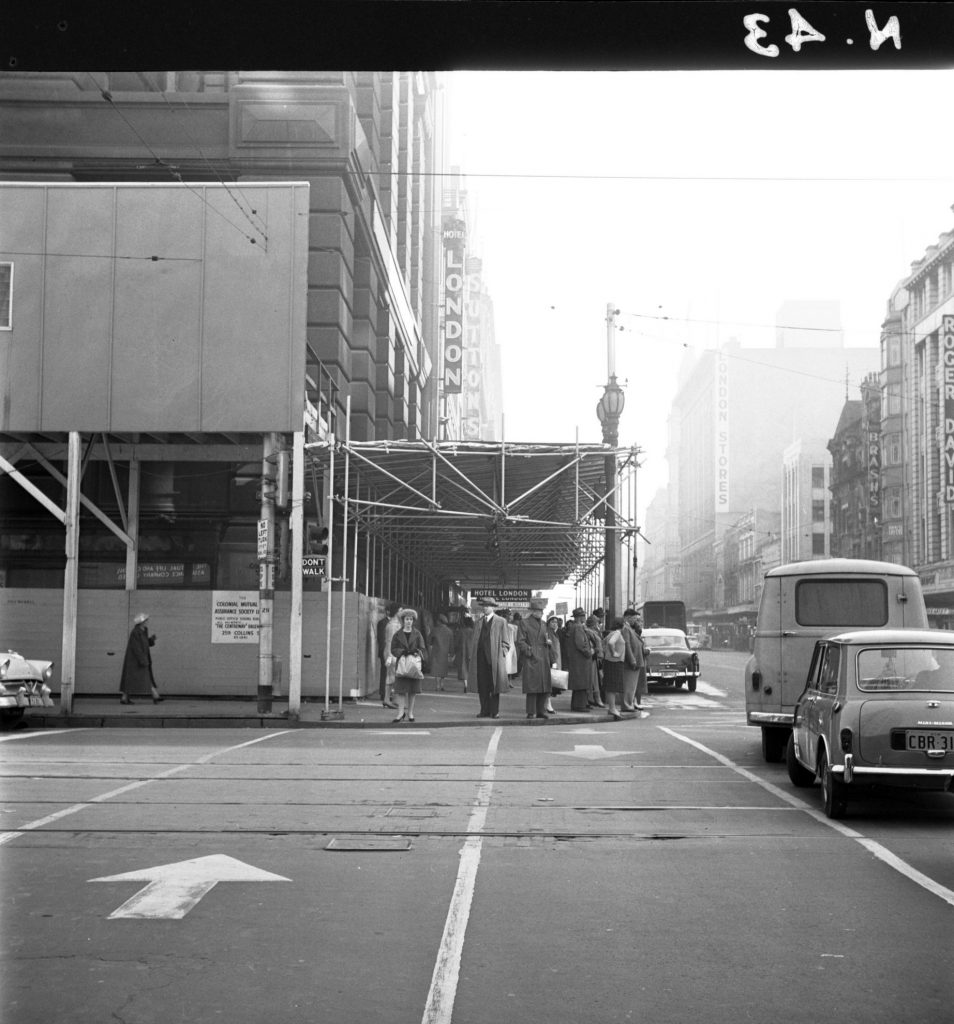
(391, 626)
(536, 657)
(410, 660)
(614, 653)
(633, 661)
(441, 650)
(555, 630)
(595, 696)
(579, 662)
(464, 641)
(513, 655)
(137, 678)
(389, 615)
(487, 668)
(642, 686)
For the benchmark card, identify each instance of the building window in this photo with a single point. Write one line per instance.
(818, 544)
(818, 511)
(892, 450)
(894, 399)
(6, 296)
(818, 476)
(892, 502)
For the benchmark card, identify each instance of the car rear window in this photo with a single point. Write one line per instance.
(906, 668)
(849, 603)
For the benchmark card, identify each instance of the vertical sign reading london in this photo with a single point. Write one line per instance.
(453, 236)
(721, 410)
(947, 361)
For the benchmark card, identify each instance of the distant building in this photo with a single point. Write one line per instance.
(806, 515)
(735, 413)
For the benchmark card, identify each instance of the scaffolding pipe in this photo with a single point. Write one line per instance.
(344, 554)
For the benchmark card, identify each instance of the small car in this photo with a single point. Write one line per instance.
(877, 710)
(670, 660)
(23, 684)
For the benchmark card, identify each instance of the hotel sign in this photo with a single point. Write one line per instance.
(947, 361)
(454, 236)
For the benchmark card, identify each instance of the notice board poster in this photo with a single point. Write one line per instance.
(235, 616)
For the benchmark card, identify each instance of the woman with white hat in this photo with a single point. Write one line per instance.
(137, 677)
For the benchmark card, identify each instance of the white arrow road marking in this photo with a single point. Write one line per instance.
(593, 752)
(174, 889)
(585, 731)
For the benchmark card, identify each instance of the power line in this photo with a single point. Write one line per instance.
(108, 256)
(174, 171)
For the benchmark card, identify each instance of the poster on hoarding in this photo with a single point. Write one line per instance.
(235, 617)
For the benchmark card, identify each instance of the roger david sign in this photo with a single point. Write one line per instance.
(947, 361)
(454, 235)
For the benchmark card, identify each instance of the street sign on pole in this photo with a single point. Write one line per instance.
(313, 565)
(262, 539)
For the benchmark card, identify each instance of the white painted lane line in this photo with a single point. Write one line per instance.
(871, 845)
(6, 837)
(443, 991)
(35, 735)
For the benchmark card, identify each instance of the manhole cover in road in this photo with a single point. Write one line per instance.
(386, 844)
(410, 812)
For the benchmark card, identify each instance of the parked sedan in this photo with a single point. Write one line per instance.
(670, 660)
(877, 710)
(23, 684)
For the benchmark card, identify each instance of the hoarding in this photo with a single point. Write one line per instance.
(154, 307)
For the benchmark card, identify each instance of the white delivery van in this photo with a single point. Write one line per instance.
(806, 601)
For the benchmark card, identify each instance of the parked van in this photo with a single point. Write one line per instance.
(807, 601)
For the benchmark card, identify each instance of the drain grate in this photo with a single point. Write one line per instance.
(363, 844)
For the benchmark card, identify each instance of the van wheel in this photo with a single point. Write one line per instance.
(800, 776)
(833, 793)
(773, 744)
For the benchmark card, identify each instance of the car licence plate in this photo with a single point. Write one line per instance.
(921, 739)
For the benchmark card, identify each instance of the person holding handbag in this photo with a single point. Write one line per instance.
(409, 652)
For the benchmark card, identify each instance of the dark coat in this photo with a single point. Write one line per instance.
(580, 666)
(499, 645)
(409, 643)
(442, 649)
(137, 678)
(535, 655)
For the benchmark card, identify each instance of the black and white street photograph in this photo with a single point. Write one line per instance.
(477, 513)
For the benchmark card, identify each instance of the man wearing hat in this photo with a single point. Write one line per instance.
(487, 669)
(580, 666)
(534, 644)
(137, 675)
(632, 661)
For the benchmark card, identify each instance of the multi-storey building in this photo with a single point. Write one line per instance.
(805, 508)
(855, 449)
(918, 378)
(735, 413)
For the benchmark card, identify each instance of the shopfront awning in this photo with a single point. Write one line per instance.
(478, 513)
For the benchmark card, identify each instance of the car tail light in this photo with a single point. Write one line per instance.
(48, 671)
(846, 740)
(4, 665)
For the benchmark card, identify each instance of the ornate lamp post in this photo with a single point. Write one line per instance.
(608, 411)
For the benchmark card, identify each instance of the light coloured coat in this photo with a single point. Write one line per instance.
(499, 646)
(536, 655)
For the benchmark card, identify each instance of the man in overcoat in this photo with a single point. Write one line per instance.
(632, 661)
(487, 669)
(534, 644)
(579, 663)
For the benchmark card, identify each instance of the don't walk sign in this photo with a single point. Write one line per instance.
(313, 565)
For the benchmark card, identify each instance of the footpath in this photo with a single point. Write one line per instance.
(432, 709)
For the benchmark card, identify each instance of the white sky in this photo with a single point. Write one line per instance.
(862, 181)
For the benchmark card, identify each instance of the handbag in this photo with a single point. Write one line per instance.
(409, 666)
(559, 678)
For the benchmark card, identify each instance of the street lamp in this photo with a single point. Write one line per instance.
(608, 411)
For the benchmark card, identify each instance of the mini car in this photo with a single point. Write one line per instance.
(670, 660)
(877, 710)
(23, 684)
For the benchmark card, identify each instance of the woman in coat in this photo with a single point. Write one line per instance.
(536, 657)
(408, 641)
(557, 642)
(592, 627)
(579, 662)
(465, 638)
(633, 662)
(442, 650)
(137, 677)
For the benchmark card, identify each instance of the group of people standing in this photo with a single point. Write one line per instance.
(605, 667)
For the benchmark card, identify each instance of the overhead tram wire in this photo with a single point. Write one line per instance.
(173, 171)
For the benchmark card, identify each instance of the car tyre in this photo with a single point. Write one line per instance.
(800, 776)
(833, 793)
(692, 685)
(773, 744)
